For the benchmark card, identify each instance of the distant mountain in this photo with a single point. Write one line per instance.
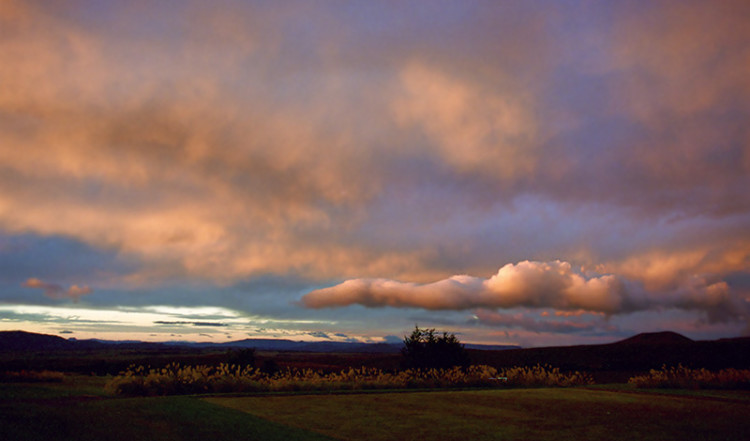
(326, 346)
(20, 341)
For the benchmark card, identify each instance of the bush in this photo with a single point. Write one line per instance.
(241, 357)
(24, 376)
(544, 376)
(681, 377)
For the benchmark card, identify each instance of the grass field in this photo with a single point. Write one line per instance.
(517, 414)
(79, 409)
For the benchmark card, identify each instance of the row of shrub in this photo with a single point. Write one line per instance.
(175, 379)
(681, 377)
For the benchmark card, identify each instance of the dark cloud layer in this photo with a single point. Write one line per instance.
(550, 325)
(210, 324)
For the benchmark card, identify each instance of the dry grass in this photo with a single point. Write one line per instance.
(175, 379)
(681, 377)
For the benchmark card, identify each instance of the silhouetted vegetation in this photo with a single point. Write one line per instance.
(177, 380)
(270, 367)
(31, 377)
(241, 357)
(424, 349)
(681, 377)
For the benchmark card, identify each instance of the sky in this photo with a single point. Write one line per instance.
(515, 172)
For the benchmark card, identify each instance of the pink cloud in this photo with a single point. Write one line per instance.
(534, 285)
(56, 291)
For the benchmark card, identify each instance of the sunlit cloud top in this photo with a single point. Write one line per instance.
(381, 155)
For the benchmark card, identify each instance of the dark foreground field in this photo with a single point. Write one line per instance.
(78, 409)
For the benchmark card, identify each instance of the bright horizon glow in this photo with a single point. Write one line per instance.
(151, 323)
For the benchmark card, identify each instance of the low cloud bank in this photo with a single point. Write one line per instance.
(532, 285)
(523, 321)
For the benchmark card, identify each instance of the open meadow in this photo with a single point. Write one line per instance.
(79, 408)
(514, 414)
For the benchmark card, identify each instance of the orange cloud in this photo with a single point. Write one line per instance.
(472, 129)
(56, 291)
(578, 313)
(532, 284)
(665, 270)
(171, 165)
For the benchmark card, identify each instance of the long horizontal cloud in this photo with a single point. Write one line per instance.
(529, 284)
(532, 284)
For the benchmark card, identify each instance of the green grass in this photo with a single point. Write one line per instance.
(78, 410)
(518, 414)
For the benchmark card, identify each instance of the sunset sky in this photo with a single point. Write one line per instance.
(517, 172)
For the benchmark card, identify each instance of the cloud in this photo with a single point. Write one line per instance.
(524, 321)
(533, 285)
(187, 145)
(654, 53)
(473, 130)
(56, 291)
(319, 334)
(210, 324)
(154, 146)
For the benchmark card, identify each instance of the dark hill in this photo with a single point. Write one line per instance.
(615, 361)
(15, 341)
(656, 338)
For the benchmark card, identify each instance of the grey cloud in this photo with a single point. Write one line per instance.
(550, 325)
(319, 334)
(200, 324)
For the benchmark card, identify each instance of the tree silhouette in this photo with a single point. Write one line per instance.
(241, 357)
(424, 349)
